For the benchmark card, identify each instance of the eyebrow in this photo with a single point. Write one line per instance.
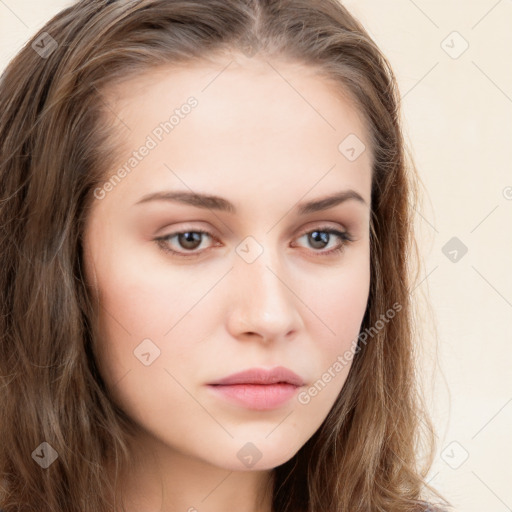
(212, 202)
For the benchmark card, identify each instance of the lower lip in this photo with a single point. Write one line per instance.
(260, 397)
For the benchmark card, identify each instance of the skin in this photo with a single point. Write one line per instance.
(265, 146)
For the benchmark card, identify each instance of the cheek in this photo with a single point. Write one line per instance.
(141, 304)
(338, 304)
(139, 301)
(152, 327)
(140, 293)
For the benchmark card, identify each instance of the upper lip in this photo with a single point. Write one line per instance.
(262, 376)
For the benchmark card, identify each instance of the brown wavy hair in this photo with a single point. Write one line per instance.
(58, 142)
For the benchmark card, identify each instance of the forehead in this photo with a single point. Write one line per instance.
(256, 123)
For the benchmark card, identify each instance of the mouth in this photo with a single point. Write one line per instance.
(258, 389)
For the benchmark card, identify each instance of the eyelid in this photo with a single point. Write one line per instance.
(322, 226)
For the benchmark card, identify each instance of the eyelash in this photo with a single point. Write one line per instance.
(345, 236)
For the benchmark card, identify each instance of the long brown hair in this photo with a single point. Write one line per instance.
(58, 143)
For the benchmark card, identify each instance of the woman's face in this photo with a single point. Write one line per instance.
(263, 287)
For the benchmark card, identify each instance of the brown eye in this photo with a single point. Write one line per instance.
(186, 242)
(189, 240)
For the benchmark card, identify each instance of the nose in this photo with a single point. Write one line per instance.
(263, 303)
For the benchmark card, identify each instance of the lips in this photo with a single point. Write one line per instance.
(280, 374)
(258, 389)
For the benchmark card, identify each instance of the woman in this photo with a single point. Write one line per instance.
(205, 296)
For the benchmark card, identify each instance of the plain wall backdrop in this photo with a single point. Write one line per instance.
(452, 61)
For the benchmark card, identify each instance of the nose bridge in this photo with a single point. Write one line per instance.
(265, 304)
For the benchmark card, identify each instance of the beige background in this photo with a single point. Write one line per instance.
(457, 110)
